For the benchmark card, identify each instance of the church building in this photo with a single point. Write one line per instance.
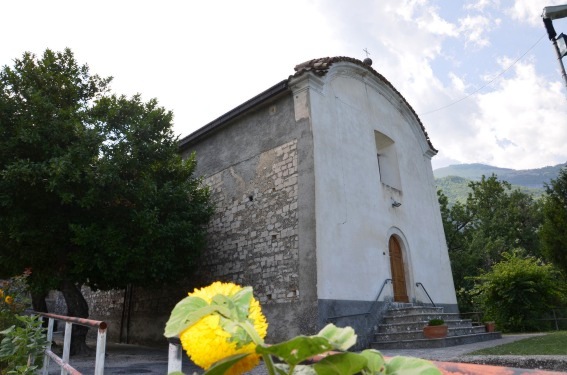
(325, 197)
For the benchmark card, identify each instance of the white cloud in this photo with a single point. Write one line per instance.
(433, 23)
(457, 82)
(529, 11)
(519, 123)
(476, 28)
(480, 5)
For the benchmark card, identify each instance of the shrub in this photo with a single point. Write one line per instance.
(14, 299)
(436, 322)
(517, 291)
(22, 347)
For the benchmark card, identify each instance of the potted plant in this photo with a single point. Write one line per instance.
(435, 329)
(490, 326)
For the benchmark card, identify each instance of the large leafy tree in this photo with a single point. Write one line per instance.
(493, 220)
(553, 233)
(92, 188)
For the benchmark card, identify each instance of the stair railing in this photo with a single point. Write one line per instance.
(418, 284)
(371, 306)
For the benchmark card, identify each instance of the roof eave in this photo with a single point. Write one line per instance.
(243, 108)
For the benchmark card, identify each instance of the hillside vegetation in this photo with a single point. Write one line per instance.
(454, 180)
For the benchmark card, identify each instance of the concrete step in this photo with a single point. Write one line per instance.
(413, 326)
(400, 305)
(418, 334)
(436, 343)
(419, 317)
(412, 310)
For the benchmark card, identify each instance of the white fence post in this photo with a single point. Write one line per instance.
(100, 350)
(174, 361)
(66, 345)
(48, 347)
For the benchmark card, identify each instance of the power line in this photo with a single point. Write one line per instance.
(486, 84)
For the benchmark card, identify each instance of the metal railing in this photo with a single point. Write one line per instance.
(476, 317)
(63, 361)
(557, 319)
(418, 284)
(371, 306)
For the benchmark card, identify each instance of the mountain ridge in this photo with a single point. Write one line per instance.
(454, 180)
(532, 178)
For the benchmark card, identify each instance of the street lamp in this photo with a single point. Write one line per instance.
(560, 43)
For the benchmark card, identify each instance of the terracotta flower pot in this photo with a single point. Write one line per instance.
(490, 326)
(435, 332)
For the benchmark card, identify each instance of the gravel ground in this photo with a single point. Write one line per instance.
(541, 362)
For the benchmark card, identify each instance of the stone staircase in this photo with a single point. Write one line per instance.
(402, 328)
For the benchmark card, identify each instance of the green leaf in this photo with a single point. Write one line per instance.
(375, 363)
(187, 312)
(222, 366)
(242, 301)
(7, 330)
(237, 304)
(237, 333)
(297, 349)
(340, 364)
(410, 366)
(339, 338)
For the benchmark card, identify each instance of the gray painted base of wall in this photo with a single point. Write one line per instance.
(287, 320)
(362, 316)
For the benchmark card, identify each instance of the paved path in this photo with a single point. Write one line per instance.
(132, 359)
(452, 352)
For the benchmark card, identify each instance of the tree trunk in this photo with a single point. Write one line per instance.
(76, 306)
(38, 301)
(39, 304)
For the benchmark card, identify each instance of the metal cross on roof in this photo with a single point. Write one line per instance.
(366, 51)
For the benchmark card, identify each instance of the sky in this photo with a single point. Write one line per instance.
(482, 75)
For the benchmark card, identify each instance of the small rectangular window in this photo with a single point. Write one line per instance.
(387, 161)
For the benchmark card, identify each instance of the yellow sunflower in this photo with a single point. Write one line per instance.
(206, 342)
(9, 300)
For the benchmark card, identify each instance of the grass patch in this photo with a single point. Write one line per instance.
(551, 344)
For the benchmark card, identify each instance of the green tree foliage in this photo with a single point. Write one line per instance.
(518, 290)
(553, 233)
(494, 219)
(92, 188)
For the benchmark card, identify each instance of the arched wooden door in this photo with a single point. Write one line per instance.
(398, 271)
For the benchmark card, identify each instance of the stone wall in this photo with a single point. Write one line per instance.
(134, 315)
(253, 235)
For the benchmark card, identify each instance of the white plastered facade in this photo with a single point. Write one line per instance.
(350, 111)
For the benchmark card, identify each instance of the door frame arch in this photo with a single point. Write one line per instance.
(406, 256)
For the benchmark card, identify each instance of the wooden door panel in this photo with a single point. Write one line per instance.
(398, 271)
